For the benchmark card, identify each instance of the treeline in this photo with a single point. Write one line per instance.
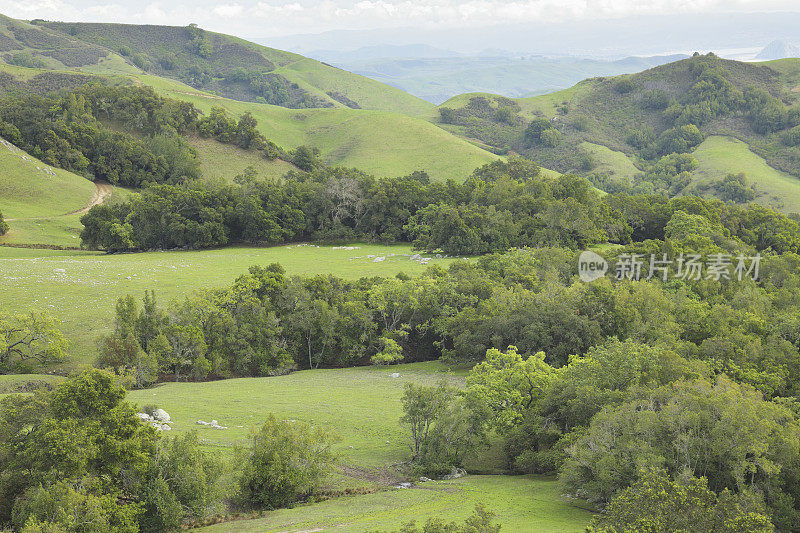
(502, 205)
(269, 323)
(78, 458)
(125, 135)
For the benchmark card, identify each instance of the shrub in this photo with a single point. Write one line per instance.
(285, 464)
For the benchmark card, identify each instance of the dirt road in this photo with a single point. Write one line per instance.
(102, 191)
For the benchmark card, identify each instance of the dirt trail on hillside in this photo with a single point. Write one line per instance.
(102, 191)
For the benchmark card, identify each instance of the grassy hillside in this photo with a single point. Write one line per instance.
(239, 69)
(226, 161)
(719, 156)
(30, 188)
(380, 142)
(83, 295)
(607, 111)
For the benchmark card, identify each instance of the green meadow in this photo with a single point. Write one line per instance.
(521, 504)
(362, 406)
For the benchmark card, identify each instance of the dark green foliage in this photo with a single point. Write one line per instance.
(445, 427)
(657, 504)
(66, 131)
(3, 225)
(285, 464)
(735, 188)
(79, 459)
(195, 56)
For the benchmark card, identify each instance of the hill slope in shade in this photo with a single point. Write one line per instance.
(239, 69)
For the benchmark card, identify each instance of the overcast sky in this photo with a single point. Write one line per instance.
(267, 18)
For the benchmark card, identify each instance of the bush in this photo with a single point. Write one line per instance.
(624, 86)
(285, 464)
(3, 225)
(656, 504)
(551, 137)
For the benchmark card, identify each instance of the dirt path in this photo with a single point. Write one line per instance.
(102, 191)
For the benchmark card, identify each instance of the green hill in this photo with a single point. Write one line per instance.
(618, 127)
(233, 67)
(379, 142)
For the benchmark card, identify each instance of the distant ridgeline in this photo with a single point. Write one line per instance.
(651, 115)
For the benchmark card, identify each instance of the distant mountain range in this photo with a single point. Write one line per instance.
(437, 78)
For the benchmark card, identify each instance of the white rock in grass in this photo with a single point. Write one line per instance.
(379, 259)
(162, 415)
(202, 423)
(394, 375)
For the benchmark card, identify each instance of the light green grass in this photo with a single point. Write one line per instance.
(378, 142)
(361, 405)
(226, 161)
(608, 160)
(523, 504)
(28, 190)
(719, 156)
(83, 297)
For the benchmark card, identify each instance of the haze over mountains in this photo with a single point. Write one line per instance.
(529, 59)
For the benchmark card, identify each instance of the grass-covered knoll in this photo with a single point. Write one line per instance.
(605, 160)
(377, 142)
(719, 156)
(521, 503)
(30, 188)
(226, 161)
(82, 297)
(789, 70)
(239, 69)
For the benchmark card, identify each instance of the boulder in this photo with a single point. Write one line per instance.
(162, 415)
(455, 473)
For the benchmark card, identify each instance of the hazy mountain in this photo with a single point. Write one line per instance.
(778, 50)
(438, 79)
(612, 38)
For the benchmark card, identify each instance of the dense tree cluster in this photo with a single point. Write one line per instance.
(79, 130)
(503, 205)
(3, 225)
(78, 458)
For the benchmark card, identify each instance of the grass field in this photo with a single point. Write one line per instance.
(522, 504)
(226, 161)
(362, 406)
(83, 296)
(719, 156)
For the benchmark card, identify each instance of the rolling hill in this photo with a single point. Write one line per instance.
(608, 128)
(231, 67)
